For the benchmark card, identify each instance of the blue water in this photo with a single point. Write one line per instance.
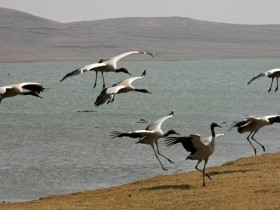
(48, 147)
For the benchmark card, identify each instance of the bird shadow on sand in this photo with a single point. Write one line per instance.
(214, 173)
(176, 187)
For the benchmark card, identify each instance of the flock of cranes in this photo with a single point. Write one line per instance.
(200, 149)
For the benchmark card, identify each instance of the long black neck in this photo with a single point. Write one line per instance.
(213, 131)
(167, 134)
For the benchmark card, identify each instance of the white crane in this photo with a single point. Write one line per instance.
(272, 73)
(124, 86)
(150, 136)
(253, 125)
(105, 65)
(199, 150)
(33, 88)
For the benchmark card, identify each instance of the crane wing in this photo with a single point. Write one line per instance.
(157, 124)
(106, 94)
(84, 69)
(130, 80)
(134, 134)
(258, 76)
(32, 86)
(266, 73)
(207, 140)
(119, 57)
(190, 143)
(244, 122)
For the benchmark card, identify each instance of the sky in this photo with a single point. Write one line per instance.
(226, 11)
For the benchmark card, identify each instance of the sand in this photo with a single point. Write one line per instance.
(246, 183)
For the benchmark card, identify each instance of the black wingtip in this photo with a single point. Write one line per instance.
(171, 113)
(144, 73)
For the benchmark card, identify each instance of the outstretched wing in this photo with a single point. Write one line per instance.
(157, 124)
(84, 69)
(32, 86)
(256, 77)
(134, 134)
(190, 143)
(207, 140)
(266, 73)
(119, 57)
(130, 80)
(106, 94)
(244, 122)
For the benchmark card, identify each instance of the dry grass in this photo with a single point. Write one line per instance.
(247, 183)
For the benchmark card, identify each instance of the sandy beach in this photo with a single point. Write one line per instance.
(246, 183)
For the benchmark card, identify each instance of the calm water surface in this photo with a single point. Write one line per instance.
(48, 147)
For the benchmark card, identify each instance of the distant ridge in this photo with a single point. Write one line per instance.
(25, 37)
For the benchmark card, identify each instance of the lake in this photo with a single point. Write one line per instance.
(49, 147)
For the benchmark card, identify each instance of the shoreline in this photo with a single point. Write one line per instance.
(247, 183)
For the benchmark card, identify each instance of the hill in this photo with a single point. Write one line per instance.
(25, 37)
(247, 183)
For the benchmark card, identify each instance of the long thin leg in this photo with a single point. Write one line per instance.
(277, 84)
(96, 72)
(158, 158)
(205, 161)
(202, 171)
(271, 84)
(170, 161)
(252, 137)
(103, 79)
(251, 143)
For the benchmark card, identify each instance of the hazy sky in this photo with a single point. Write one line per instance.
(228, 11)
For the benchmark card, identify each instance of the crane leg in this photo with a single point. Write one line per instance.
(96, 72)
(271, 84)
(103, 79)
(170, 161)
(158, 158)
(203, 172)
(252, 137)
(251, 143)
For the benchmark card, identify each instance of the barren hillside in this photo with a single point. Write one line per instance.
(25, 37)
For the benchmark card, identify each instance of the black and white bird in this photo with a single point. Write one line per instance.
(124, 86)
(105, 65)
(272, 73)
(150, 136)
(199, 150)
(32, 88)
(253, 125)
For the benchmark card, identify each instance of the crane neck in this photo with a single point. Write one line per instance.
(213, 131)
